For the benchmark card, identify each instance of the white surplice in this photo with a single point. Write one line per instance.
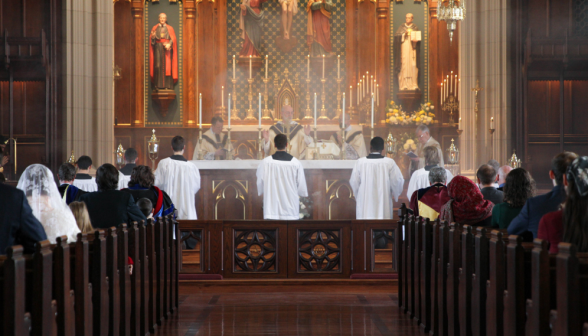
(282, 183)
(420, 180)
(123, 181)
(181, 181)
(375, 183)
(86, 185)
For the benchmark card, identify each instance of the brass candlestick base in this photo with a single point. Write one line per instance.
(229, 145)
(250, 111)
(338, 110)
(259, 145)
(343, 139)
(308, 111)
(200, 152)
(323, 97)
(266, 112)
(492, 130)
(459, 131)
(316, 155)
(234, 109)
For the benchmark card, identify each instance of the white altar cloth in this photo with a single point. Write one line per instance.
(252, 164)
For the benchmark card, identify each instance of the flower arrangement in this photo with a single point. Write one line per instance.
(305, 208)
(395, 115)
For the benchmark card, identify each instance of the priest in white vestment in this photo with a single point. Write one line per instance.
(354, 146)
(83, 179)
(420, 178)
(425, 140)
(281, 181)
(180, 179)
(299, 136)
(376, 180)
(215, 143)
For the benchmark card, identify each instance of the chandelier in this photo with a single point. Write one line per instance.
(451, 14)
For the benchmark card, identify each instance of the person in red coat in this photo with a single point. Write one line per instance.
(163, 55)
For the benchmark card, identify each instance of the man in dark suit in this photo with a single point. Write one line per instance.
(66, 176)
(130, 160)
(486, 178)
(529, 217)
(18, 225)
(110, 207)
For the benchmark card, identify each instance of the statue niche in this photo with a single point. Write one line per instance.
(286, 95)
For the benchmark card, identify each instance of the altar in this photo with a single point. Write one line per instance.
(228, 190)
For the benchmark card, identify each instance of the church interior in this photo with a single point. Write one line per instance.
(473, 223)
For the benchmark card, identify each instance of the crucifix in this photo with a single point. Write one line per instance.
(476, 90)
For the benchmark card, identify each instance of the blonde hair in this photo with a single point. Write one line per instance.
(80, 212)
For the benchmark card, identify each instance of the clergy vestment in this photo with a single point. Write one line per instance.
(427, 202)
(354, 142)
(124, 175)
(85, 182)
(375, 181)
(180, 179)
(281, 181)
(431, 142)
(296, 143)
(211, 142)
(420, 179)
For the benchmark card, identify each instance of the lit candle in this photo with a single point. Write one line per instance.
(451, 82)
(338, 66)
(441, 94)
(363, 87)
(315, 110)
(308, 66)
(492, 123)
(323, 66)
(378, 94)
(375, 86)
(372, 84)
(222, 96)
(372, 110)
(445, 88)
(459, 81)
(259, 117)
(447, 84)
(200, 111)
(350, 96)
(343, 114)
(459, 123)
(250, 68)
(229, 110)
(455, 88)
(234, 73)
(266, 61)
(358, 100)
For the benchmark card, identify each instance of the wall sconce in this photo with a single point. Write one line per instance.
(391, 145)
(514, 161)
(453, 156)
(153, 149)
(116, 73)
(120, 156)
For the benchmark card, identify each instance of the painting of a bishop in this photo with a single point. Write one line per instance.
(163, 59)
(251, 25)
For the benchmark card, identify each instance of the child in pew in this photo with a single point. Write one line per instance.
(80, 212)
(146, 207)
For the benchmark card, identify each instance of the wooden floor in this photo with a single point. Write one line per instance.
(293, 312)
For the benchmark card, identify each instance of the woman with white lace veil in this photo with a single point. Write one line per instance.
(49, 208)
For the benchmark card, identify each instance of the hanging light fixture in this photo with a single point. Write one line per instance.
(451, 14)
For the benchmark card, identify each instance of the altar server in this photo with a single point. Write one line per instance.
(124, 177)
(214, 142)
(420, 178)
(354, 143)
(180, 179)
(83, 179)
(280, 178)
(375, 181)
(299, 137)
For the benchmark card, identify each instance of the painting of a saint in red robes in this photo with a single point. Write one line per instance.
(251, 25)
(163, 55)
(318, 30)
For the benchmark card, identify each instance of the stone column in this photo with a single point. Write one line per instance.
(483, 55)
(87, 79)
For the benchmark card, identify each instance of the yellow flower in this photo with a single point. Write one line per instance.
(399, 118)
(418, 119)
(428, 104)
(395, 111)
(432, 115)
(421, 112)
(392, 103)
(388, 114)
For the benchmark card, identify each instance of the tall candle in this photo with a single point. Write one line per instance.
(451, 82)
(234, 67)
(375, 85)
(372, 110)
(338, 66)
(250, 68)
(441, 94)
(447, 83)
(229, 114)
(222, 96)
(459, 123)
(459, 81)
(372, 84)
(308, 66)
(323, 66)
(378, 94)
(455, 88)
(358, 100)
(259, 117)
(445, 88)
(492, 123)
(200, 111)
(350, 96)
(343, 114)
(315, 110)
(363, 87)
(266, 61)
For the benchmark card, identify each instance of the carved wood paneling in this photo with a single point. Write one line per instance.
(319, 251)
(192, 251)
(340, 200)
(230, 199)
(255, 251)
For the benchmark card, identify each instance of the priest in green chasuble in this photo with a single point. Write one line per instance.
(299, 136)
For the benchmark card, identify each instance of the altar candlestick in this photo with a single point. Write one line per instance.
(447, 83)
(234, 73)
(350, 96)
(266, 61)
(343, 113)
(372, 84)
(459, 81)
(441, 94)
(358, 100)
(363, 87)
(250, 68)
(259, 117)
(375, 84)
(372, 110)
(323, 66)
(222, 96)
(308, 66)
(378, 94)
(200, 111)
(451, 82)
(445, 87)
(455, 92)
(459, 123)
(492, 123)
(315, 109)
(338, 66)
(229, 114)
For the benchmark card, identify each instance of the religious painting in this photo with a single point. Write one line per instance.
(409, 43)
(163, 63)
(283, 22)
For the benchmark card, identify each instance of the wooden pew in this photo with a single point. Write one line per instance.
(454, 264)
(144, 291)
(62, 289)
(410, 279)
(177, 263)
(518, 285)
(39, 283)
(159, 260)
(434, 329)
(479, 281)
(124, 279)
(114, 285)
(100, 283)
(135, 278)
(80, 282)
(14, 321)
(572, 291)
(442, 295)
(399, 247)
(170, 260)
(496, 285)
(151, 258)
(543, 286)
(164, 267)
(418, 249)
(425, 283)
(465, 280)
